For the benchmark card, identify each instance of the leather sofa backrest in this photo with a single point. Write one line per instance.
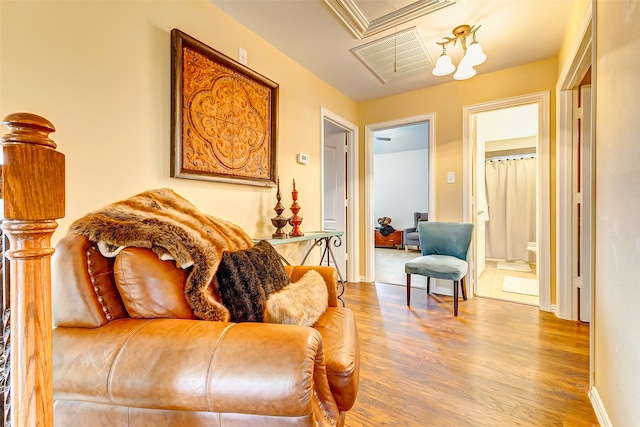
(84, 293)
(90, 290)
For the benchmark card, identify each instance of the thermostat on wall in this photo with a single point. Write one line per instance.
(303, 158)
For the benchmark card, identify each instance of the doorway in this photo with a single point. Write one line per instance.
(505, 193)
(475, 207)
(369, 202)
(339, 169)
(400, 182)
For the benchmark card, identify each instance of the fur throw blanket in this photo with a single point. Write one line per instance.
(172, 227)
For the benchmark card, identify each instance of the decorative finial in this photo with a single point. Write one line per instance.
(279, 221)
(295, 220)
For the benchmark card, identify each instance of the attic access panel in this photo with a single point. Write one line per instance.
(396, 57)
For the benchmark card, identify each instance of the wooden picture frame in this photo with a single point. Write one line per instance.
(223, 117)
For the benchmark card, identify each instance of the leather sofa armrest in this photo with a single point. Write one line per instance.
(342, 354)
(329, 274)
(194, 365)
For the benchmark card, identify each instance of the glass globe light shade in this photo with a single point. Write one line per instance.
(475, 55)
(444, 66)
(465, 71)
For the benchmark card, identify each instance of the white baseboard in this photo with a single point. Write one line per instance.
(598, 407)
(443, 290)
(436, 286)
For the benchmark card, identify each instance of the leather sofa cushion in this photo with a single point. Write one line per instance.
(151, 288)
(191, 365)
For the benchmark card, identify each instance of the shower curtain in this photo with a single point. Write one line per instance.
(511, 199)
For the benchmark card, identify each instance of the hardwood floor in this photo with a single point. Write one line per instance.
(497, 364)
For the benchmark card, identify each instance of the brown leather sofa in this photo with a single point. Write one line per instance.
(111, 369)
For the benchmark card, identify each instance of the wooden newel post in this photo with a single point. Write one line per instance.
(33, 195)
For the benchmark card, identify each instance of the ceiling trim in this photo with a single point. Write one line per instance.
(351, 15)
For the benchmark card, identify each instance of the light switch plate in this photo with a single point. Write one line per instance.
(242, 56)
(303, 158)
(451, 177)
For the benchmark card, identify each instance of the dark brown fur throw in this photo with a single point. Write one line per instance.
(168, 224)
(246, 279)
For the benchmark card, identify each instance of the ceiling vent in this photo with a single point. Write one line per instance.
(396, 57)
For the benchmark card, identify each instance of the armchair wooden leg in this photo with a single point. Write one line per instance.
(408, 290)
(463, 283)
(428, 284)
(455, 297)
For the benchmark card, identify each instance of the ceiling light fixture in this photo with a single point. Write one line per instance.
(472, 56)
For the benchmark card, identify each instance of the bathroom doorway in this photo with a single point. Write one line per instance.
(507, 141)
(507, 151)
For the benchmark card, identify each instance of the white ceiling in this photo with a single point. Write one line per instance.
(513, 32)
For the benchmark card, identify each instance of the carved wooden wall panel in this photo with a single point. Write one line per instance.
(225, 118)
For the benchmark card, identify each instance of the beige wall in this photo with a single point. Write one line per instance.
(617, 245)
(511, 144)
(446, 101)
(571, 32)
(100, 72)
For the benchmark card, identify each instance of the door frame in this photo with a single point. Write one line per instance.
(543, 178)
(577, 64)
(581, 56)
(352, 237)
(369, 225)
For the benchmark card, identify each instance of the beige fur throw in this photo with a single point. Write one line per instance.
(168, 224)
(299, 303)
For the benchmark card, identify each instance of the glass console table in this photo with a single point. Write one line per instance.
(323, 239)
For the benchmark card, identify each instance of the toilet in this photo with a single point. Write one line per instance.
(532, 247)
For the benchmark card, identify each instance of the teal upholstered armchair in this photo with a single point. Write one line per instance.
(444, 247)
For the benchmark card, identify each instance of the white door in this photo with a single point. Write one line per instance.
(480, 197)
(586, 219)
(335, 194)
